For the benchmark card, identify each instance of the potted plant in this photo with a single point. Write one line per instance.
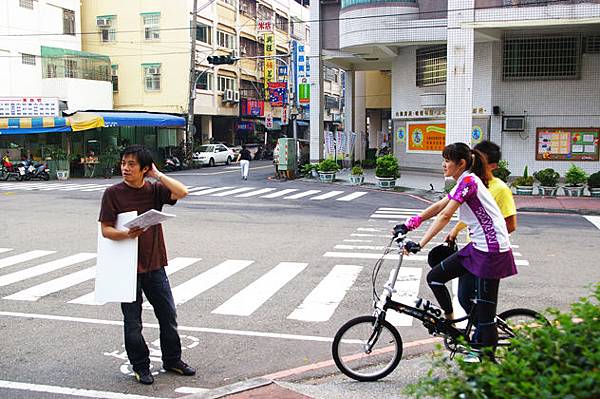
(59, 163)
(524, 184)
(357, 176)
(502, 172)
(594, 184)
(387, 171)
(575, 178)
(548, 179)
(108, 160)
(309, 170)
(327, 169)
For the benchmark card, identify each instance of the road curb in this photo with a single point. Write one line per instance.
(231, 389)
(529, 209)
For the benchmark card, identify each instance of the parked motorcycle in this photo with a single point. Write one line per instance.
(12, 171)
(37, 171)
(172, 164)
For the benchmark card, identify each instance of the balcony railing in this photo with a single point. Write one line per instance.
(350, 3)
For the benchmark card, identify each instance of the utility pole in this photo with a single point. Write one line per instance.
(189, 136)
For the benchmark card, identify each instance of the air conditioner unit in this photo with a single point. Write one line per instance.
(236, 96)
(235, 53)
(513, 123)
(153, 71)
(228, 96)
(102, 22)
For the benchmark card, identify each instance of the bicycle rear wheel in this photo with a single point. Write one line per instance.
(515, 323)
(350, 353)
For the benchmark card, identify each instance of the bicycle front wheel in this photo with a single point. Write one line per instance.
(367, 350)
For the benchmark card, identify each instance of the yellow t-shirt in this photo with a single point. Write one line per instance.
(503, 197)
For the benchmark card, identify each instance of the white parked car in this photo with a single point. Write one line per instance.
(211, 154)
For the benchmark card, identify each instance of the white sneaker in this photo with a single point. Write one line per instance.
(472, 357)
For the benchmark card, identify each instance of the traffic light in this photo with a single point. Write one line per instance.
(221, 59)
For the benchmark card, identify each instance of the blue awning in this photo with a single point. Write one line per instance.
(118, 119)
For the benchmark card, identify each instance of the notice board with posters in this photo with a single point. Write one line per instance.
(426, 137)
(567, 144)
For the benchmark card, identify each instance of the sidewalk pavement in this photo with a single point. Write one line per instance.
(430, 186)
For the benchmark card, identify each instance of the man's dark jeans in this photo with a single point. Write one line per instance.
(155, 286)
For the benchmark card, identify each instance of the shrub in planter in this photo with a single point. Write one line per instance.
(593, 182)
(357, 170)
(387, 166)
(308, 168)
(575, 178)
(548, 179)
(357, 176)
(559, 360)
(524, 184)
(502, 172)
(328, 165)
(108, 161)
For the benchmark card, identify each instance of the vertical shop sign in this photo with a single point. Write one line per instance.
(269, 62)
(302, 72)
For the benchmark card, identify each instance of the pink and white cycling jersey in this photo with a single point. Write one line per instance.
(478, 210)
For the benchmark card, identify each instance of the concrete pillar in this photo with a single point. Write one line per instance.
(316, 85)
(459, 81)
(349, 106)
(206, 128)
(360, 117)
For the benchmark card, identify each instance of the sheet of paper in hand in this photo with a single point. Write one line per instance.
(116, 269)
(148, 219)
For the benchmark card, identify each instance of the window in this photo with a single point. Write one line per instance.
(248, 8)
(26, 4)
(27, 59)
(431, 66)
(264, 13)
(68, 22)
(152, 77)
(70, 69)
(542, 57)
(225, 83)
(250, 89)
(115, 77)
(204, 33)
(592, 44)
(225, 39)
(108, 35)
(51, 71)
(152, 26)
(205, 82)
(281, 23)
(248, 47)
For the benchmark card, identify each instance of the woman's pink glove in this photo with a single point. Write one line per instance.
(413, 222)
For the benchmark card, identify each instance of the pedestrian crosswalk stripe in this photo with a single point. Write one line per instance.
(245, 302)
(174, 265)
(401, 210)
(407, 291)
(362, 255)
(352, 196)
(38, 291)
(80, 187)
(54, 186)
(280, 193)
(44, 268)
(202, 282)
(326, 195)
(231, 192)
(347, 240)
(24, 257)
(257, 192)
(521, 262)
(191, 190)
(302, 194)
(371, 229)
(2, 250)
(98, 188)
(367, 247)
(322, 302)
(595, 220)
(210, 190)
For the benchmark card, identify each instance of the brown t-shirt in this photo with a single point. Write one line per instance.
(152, 254)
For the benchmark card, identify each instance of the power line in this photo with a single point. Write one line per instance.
(404, 14)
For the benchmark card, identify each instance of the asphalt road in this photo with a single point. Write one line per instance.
(263, 279)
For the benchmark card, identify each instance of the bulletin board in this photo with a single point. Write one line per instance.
(567, 144)
(426, 137)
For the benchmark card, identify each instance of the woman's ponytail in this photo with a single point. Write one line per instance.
(479, 166)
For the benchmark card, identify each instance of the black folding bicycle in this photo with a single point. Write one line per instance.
(369, 347)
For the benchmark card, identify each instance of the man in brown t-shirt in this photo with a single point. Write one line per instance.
(134, 193)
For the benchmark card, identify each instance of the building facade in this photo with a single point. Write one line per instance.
(46, 68)
(523, 74)
(150, 52)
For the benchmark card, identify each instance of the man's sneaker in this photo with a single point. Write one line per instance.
(180, 367)
(144, 376)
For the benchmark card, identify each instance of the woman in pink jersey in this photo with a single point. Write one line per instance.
(488, 256)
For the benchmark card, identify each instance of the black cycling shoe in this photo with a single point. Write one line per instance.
(180, 367)
(144, 377)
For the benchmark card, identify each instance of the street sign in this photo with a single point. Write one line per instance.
(282, 70)
(269, 121)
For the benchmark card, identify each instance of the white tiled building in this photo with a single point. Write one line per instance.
(469, 67)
